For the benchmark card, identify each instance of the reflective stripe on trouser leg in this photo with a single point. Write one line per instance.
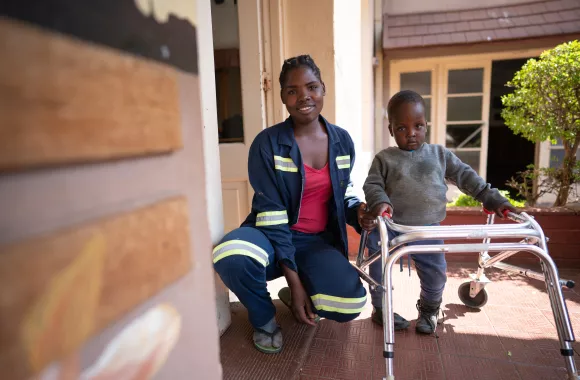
(240, 247)
(332, 283)
(339, 304)
(239, 261)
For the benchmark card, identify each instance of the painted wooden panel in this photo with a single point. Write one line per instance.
(235, 201)
(63, 101)
(59, 290)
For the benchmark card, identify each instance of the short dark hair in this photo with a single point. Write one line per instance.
(298, 61)
(402, 97)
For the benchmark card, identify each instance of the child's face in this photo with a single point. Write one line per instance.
(408, 125)
(303, 95)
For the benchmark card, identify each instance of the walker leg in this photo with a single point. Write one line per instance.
(560, 312)
(559, 308)
(388, 312)
(480, 280)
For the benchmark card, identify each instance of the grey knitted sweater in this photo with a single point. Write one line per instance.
(413, 183)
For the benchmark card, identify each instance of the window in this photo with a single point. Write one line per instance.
(557, 154)
(420, 82)
(465, 121)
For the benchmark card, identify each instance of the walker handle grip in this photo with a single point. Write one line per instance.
(504, 212)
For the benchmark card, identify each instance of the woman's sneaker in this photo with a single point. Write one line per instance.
(400, 322)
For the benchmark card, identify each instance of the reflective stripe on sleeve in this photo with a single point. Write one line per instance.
(271, 218)
(343, 162)
(285, 164)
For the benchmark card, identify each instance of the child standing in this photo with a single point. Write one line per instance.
(408, 182)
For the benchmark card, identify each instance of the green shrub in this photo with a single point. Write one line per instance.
(545, 105)
(464, 200)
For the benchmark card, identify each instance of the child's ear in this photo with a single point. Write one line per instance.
(323, 89)
(391, 130)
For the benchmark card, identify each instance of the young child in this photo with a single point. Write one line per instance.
(408, 182)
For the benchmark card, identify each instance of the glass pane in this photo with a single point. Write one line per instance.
(465, 81)
(458, 134)
(558, 142)
(471, 158)
(419, 82)
(229, 105)
(428, 109)
(464, 109)
(557, 157)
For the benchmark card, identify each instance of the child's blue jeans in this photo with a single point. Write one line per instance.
(431, 269)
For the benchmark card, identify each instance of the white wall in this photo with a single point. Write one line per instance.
(225, 31)
(211, 153)
(348, 79)
(397, 7)
(345, 61)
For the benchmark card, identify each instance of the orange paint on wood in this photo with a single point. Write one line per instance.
(64, 101)
(58, 291)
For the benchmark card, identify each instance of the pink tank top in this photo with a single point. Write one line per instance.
(314, 207)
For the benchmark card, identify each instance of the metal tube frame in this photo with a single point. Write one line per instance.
(525, 226)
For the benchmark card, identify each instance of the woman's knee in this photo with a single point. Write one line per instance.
(242, 256)
(341, 306)
(339, 317)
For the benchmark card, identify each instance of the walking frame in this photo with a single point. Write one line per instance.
(471, 293)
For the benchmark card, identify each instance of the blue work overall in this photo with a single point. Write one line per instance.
(251, 255)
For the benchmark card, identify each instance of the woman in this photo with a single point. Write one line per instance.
(300, 173)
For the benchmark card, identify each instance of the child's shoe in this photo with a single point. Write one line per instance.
(428, 316)
(400, 322)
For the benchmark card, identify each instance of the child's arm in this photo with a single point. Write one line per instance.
(469, 182)
(374, 188)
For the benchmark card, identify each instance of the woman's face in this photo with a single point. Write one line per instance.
(303, 95)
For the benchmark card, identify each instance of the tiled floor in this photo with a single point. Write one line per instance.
(512, 337)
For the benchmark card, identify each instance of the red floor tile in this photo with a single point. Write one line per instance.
(528, 372)
(529, 348)
(412, 365)
(472, 341)
(512, 337)
(518, 319)
(241, 361)
(462, 367)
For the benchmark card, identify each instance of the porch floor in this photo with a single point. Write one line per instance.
(512, 337)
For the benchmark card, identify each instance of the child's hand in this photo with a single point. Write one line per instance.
(504, 209)
(382, 208)
(365, 219)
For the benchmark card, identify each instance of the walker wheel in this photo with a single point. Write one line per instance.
(475, 303)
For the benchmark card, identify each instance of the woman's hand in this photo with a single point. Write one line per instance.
(504, 209)
(365, 219)
(301, 306)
